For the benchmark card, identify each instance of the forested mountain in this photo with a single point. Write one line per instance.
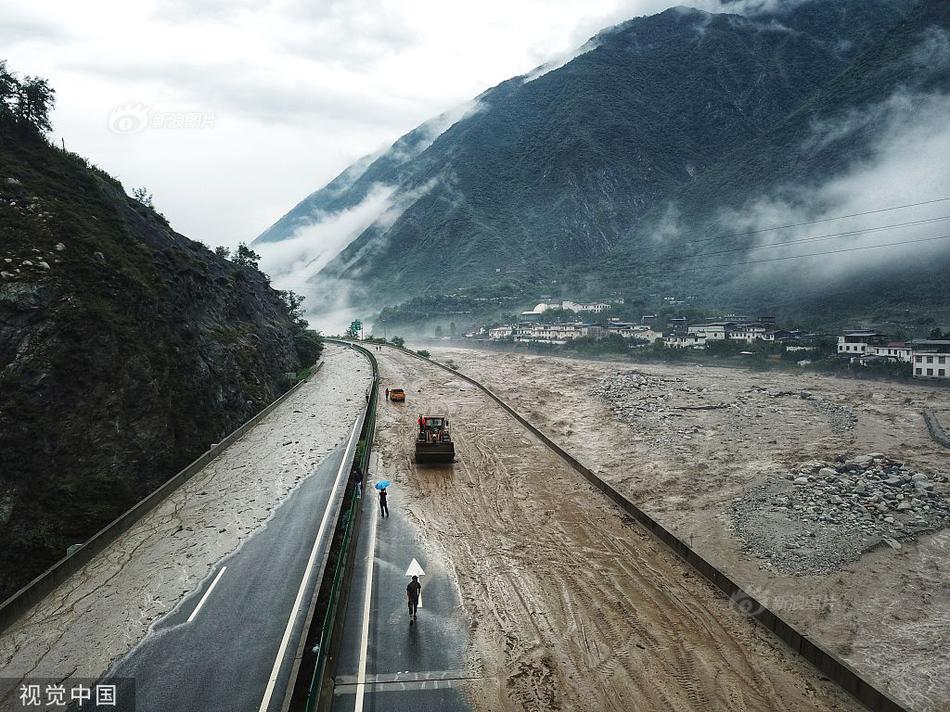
(595, 178)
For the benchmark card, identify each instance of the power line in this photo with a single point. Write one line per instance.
(819, 254)
(818, 238)
(816, 222)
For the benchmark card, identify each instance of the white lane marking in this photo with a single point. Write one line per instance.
(207, 593)
(285, 641)
(367, 599)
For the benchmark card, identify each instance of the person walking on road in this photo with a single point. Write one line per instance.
(383, 507)
(412, 591)
(387, 394)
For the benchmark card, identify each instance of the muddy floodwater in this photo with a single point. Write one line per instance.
(573, 606)
(823, 496)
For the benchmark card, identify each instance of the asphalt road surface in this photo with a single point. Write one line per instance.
(386, 663)
(230, 645)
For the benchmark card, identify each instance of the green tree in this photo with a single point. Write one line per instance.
(293, 304)
(222, 251)
(246, 257)
(398, 341)
(36, 99)
(936, 333)
(144, 197)
(309, 345)
(27, 102)
(423, 353)
(9, 87)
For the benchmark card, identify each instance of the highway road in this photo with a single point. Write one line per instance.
(230, 645)
(386, 664)
(538, 593)
(200, 600)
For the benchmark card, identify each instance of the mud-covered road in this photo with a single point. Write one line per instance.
(572, 605)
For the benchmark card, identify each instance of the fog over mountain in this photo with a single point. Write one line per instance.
(652, 159)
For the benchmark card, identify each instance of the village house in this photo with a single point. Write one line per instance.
(858, 343)
(686, 341)
(896, 350)
(500, 332)
(712, 331)
(931, 358)
(751, 332)
(633, 331)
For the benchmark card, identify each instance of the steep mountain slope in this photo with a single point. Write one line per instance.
(125, 350)
(567, 177)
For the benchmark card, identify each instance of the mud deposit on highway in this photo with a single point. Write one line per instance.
(694, 445)
(573, 606)
(101, 612)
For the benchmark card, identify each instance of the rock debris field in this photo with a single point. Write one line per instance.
(824, 515)
(637, 398)
(713, 454)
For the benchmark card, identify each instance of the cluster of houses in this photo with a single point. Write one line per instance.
(677, 334)
(929, 358)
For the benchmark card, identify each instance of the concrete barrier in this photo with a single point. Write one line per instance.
(31, 594)
(827, 664)
(936, 430)
(318, 687)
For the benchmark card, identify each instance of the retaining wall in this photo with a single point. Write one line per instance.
(31, 594)
(936, 430)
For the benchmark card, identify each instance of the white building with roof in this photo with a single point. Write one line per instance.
(858, 343)
(687, 341)
(896, 350)
(712, 331)
(751, 333)
(931, 358)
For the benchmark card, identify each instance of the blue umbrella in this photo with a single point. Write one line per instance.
(382, 484)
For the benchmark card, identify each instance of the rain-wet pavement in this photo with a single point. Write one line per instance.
(386, 663)
(96, 616)
(219, 649)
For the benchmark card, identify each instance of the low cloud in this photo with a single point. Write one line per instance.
(295, 263)
(908, 163)
(428, 132)
(559, 62)
(291, 263)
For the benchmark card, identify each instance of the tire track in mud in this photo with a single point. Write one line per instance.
(572, 607)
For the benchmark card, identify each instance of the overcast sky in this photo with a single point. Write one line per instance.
(230, 111)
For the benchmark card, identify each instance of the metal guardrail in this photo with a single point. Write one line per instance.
(23, 600)
(823, 661)
(319, 693)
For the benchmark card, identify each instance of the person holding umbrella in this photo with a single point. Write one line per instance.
(383, 506)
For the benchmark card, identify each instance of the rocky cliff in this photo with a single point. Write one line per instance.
(125, 350)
